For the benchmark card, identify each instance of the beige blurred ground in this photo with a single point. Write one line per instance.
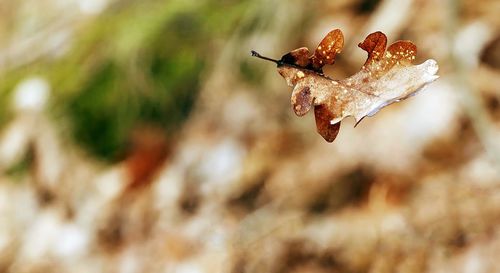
(246, 186)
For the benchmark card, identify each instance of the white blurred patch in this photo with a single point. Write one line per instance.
(323, 231)
(110, 183)
(31, 94)
(474, 263)
(92, 6)
(168, 189)
(398, 133)
(107, 186)
(241, 112)
(40, 237)
(431, 113)
(480, 171)
(221, 165)
(188, 267)
(18, 204)
(5, 232)
(14, 143)
(129, 262)
(49, 234)
(50, 157)
(393, 222)
(59, 43)
(5, 239)
(217, 239)
(470, 41)
(72, 241)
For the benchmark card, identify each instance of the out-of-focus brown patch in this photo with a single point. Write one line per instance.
(442, 153)
(366, 6)
(491, 54)
(238, 266)
(177, 247)
(349, 189)
(248, 199)
(299, 258)
(45, 196)
(392, 189)
(110, 234)
(126, 218)
(190, 199)
(148, 151)
(460, 240)
(492, 103)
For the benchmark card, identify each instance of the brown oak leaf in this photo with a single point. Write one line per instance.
(387, 76)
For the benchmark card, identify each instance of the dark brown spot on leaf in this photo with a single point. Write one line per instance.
(302, 101)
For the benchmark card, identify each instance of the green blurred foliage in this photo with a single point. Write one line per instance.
(138, 63)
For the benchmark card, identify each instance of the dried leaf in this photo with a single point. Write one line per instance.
(386, 77)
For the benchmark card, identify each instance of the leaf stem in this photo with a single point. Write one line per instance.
(256, 54)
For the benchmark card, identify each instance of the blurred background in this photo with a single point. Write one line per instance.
(140, 136)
